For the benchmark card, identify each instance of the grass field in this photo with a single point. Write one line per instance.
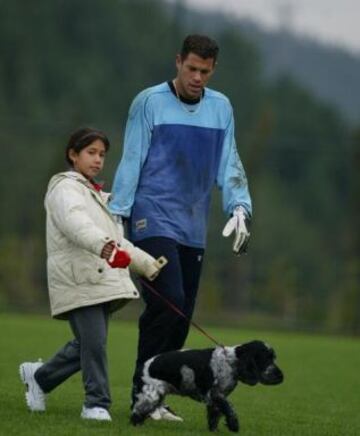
(320, 395)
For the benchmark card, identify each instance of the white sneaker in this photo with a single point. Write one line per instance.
(166, 414)
(97, 413)
(35, 397)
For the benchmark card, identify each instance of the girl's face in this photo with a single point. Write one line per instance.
(90, 160)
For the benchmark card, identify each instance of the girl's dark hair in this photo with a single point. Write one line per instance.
(200, 45)
(83, 137)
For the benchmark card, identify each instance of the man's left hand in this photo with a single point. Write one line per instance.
(238, 224)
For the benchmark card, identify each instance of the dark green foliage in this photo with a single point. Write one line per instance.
(66, 64)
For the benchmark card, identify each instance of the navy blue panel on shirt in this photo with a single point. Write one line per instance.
(173, 194)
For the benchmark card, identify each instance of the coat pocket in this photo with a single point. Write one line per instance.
(88, 269)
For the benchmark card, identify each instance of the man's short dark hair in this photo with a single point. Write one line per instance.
(200, 45)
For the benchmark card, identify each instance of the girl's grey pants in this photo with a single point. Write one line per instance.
(87, 352)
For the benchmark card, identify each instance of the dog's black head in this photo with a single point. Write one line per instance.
(255, 361)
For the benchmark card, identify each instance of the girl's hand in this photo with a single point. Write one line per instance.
(115, 257)
(107, 250)
(119, 259)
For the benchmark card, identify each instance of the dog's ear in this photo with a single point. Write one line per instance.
(256, 364)
(247, 370)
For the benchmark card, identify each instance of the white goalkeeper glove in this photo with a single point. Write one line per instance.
(238, 223)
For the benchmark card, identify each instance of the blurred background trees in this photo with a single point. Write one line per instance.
(66, 64)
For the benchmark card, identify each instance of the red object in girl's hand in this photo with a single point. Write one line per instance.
(119, 259)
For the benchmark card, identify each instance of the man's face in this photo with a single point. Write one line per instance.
(193, 74)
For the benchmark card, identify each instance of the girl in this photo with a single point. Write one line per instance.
(88, 276)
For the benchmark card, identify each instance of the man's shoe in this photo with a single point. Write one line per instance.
(96, 413)
(35, 397)
(166, 414)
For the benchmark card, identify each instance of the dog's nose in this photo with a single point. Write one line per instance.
(272, 375)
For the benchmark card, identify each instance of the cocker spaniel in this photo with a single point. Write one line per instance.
(207, 376)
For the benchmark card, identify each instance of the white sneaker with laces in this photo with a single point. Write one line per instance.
(166, 414)
(97, 413)
(35, 397)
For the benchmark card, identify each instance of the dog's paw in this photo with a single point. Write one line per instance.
(213, 417)
(137, 419)
(233, 424)
(213, 427)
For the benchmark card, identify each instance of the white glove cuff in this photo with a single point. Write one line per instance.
(240, 211)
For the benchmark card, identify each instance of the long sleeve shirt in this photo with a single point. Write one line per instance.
(173, 156)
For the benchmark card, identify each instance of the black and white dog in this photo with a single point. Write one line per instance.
(207, 376)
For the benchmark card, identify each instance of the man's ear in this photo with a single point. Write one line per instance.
(178, 61)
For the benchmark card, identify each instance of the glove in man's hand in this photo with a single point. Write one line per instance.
(238, 224)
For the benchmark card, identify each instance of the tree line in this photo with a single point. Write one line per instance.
(66, 64)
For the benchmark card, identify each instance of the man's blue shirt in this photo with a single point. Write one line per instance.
(173, 155)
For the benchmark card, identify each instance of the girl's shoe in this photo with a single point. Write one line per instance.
(35, 397)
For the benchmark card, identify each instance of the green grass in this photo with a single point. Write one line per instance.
(320, 395)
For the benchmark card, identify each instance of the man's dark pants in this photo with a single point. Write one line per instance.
(161, 329)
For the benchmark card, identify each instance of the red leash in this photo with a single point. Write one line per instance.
(179, 312)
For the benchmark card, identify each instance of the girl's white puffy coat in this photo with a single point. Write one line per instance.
(78, 225)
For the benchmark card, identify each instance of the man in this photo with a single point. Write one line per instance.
(179, 142)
